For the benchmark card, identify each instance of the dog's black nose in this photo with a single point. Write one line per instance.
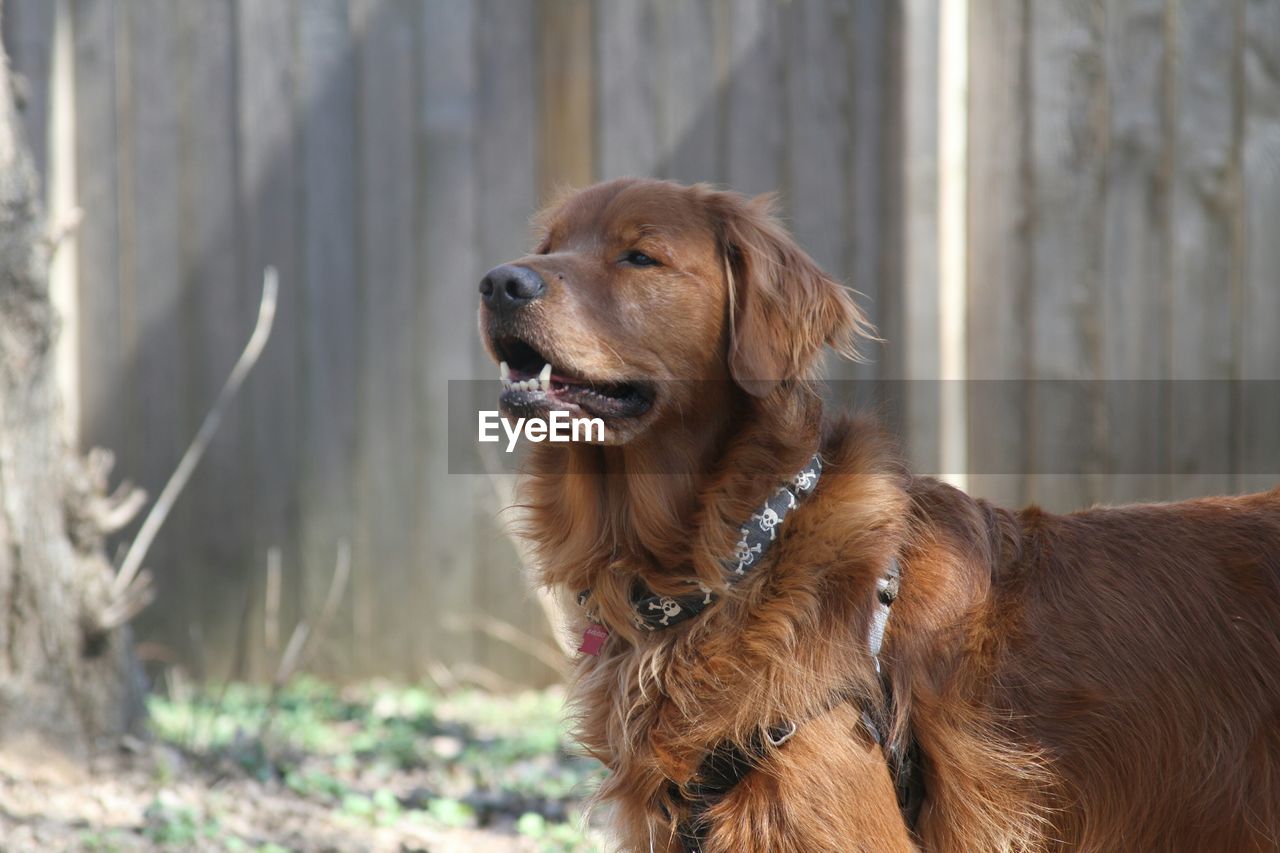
(509, 286)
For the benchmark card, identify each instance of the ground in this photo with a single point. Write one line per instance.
(317, 769)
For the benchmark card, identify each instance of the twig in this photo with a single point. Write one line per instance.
(441, 676)
(129, 603)
(271, 616)
(296, 653)
(337, 589)
(182, 474)
(504, 632)
(484, 678)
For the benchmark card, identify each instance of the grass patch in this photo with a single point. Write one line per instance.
(380, 755)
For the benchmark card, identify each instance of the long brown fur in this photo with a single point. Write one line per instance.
(1105, 680)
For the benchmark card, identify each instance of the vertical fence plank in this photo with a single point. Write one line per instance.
(919, 213)
(101, 359)
(390, 463)
(566, 68)
(1260, 209)
(447, 502)
(269, 184)
(506, 169)
(1201, 266)
(218, 313)
(1136, 271)
(28, 42)
(756, 102)
(331, 309)
(819, 130)
(151, 295)
(871, 163)
(690, 100)
(629, 105)
(999, 256)
(1067, 132)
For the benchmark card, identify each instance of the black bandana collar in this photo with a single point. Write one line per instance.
(654, 612)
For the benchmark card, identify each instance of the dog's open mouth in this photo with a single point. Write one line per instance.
(530, 380)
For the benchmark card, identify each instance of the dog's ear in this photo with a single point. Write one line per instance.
(783, 307)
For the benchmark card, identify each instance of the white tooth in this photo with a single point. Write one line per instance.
(519, 386)
(545, 375)
(506, 383)
(535, 385)
(504, 372)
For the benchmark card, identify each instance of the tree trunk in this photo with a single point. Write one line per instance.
(68, 679)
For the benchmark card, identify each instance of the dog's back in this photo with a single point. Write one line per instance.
(1145, 660)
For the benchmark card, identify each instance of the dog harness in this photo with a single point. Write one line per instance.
(727, 763)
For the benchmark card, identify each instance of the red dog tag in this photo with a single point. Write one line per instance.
(593, 638)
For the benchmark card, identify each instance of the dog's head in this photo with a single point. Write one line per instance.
(637, 286)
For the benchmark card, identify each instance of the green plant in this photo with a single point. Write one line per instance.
(553, 837)
(172, 822)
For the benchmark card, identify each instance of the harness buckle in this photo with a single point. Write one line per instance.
(779, 740)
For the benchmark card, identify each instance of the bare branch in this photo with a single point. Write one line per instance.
(292, 654)
(129, 603)
(271, 616)
(297, 653)
(113, 512)
(504, 632)
(182, 474)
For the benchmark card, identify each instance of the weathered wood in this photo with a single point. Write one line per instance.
(822, 142)
(872, 163)
(268, 187)
(1136, 251)
(217, 314)
(330, 326)
(566, 138)
(755, 108)
(103, 371)
(628, 100)
(447, 502)
(819, 135)
(919, 213)
(390, 369)
(1260, 211)
(1068, 127)
(151, 280)
(998, 321)
(1202, 268)
(384, 153)
(506, 169)
(690, 100)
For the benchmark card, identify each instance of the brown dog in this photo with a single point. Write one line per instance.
(1107, 680)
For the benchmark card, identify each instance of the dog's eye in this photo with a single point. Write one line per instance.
(638, 259)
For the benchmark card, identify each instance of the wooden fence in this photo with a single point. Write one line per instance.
(1100, 203)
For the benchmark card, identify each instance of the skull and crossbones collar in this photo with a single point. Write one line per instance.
(654, 612)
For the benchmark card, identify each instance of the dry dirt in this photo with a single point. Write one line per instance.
(154, 798)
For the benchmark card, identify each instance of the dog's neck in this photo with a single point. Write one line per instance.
(665, 507)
